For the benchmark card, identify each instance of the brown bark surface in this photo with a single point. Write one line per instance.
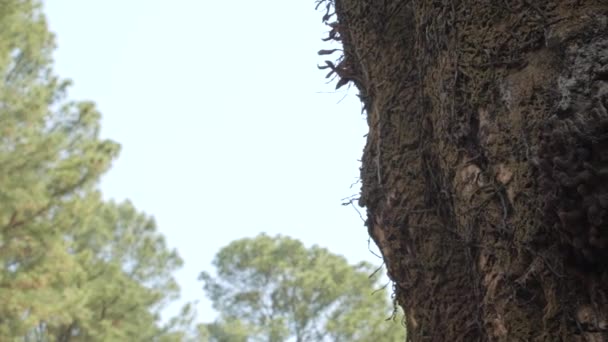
(486, 165)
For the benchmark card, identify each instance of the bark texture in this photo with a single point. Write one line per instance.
(485, 173)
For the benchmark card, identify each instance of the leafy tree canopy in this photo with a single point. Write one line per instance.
(73, 267)
(275, 289)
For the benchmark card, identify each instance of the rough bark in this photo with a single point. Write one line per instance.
(486, 164)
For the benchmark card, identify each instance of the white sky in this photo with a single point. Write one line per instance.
(226, 126)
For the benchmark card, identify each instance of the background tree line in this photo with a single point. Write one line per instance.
(76, 267)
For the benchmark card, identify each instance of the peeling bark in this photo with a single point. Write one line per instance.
(486, 166)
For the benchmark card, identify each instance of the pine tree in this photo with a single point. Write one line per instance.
(274, 288)
(72, 267)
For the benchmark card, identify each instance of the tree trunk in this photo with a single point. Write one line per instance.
(486, 164)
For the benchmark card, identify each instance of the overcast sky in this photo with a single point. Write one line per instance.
(227, 126)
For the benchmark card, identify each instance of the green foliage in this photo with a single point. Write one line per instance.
(126, 275)
(232, 331)
(73, 267)
(274, 288)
